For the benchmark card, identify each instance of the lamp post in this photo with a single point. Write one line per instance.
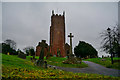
(109, 30)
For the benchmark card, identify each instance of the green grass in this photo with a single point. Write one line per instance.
(14, 61)
(17, 68)
(37, 57)
(106, 62)
(57, 61)
(28, 57)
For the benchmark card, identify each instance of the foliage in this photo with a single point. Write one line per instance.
(29, 50)
(10, 42)
(17, 68)
(106, 62)
(112, 36)
(84, 49)
(6, 48)
(19, 51)
(58, 61)
(32, 52)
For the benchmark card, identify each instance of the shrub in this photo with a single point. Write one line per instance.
(84, 49)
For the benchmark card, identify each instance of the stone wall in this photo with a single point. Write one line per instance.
(38, 50)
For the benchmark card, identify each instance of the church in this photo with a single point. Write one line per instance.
(57, 46)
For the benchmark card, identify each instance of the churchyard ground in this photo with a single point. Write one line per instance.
(57, 61)
(17, 68)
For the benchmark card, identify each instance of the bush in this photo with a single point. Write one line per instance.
(84, 49)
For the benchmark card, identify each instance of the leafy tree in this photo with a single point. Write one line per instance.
(10, 42)
(84, 49)
(114, 37)
(32, 52)
(6, 48)
(29, 50)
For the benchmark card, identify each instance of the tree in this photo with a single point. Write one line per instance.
(29, 50)
(84, 49)
(20, 52)
(111, 41)
(9, 46)
(6, 48)
(0, 47)
(10, 42)
(32, 52)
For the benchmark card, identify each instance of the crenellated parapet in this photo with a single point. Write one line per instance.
(58, 14)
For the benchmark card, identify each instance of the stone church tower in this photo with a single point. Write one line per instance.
(57, 34)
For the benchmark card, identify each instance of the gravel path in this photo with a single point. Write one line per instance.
(92, 68)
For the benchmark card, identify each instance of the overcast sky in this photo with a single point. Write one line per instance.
(27, 23)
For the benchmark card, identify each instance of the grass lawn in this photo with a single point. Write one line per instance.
(57, 61)
(37, 57)
(106, 62)
(17, 68)
(28, 57)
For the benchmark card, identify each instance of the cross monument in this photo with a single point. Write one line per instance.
(70, 54)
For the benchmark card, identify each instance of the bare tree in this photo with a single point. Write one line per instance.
(111, 41)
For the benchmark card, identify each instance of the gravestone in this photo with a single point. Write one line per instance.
(54, 55)
(22, 55)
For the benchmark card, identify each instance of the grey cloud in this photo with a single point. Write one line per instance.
(28, 23)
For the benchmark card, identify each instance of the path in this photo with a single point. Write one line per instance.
(93, 68)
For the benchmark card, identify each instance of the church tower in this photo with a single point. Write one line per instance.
(57, 34)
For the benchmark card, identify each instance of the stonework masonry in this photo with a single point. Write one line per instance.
(57, 38)
(57, 34)
(39, 47)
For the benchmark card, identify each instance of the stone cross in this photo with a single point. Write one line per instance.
(41, 57)
(43, 45)
(70, 42)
